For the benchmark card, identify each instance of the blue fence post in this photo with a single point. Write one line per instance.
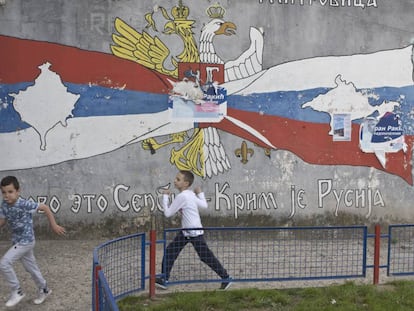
(377, 247)
(153, 251)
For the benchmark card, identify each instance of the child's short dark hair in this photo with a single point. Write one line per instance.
(188, 176)
(10, 180)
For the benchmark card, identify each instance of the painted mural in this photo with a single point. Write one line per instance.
(65, 103)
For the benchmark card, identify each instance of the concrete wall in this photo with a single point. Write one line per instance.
(282, 159)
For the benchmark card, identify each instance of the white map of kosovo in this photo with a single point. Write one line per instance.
(45, 104)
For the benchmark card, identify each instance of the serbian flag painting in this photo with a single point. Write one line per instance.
(64, 103)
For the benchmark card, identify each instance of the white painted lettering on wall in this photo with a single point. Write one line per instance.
(297, 199)
(54, 202)
(360, 198)
(243, 202)
(333, 3)
(124, 199)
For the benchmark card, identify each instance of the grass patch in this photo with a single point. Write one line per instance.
(394, 296)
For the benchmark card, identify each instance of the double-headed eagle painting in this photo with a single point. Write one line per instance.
(203, 152)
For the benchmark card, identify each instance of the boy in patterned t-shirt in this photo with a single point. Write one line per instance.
(18, 213)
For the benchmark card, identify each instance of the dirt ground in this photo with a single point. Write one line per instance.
(67, 267)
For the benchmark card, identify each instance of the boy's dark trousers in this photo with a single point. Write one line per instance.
(200, 245)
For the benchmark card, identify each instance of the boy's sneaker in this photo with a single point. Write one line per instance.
(43, 293)
(15, 297)
(161, 283)
(226, 284)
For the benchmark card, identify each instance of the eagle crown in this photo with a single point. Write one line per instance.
(215, 11)
(180, 12)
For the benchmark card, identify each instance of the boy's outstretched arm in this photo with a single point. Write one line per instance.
(55, 227)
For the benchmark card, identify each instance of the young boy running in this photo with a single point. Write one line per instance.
(18, 213)
(187, 203)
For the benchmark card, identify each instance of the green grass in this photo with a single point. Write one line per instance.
(394, 296)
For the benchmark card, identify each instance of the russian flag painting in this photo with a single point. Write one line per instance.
(292, 106)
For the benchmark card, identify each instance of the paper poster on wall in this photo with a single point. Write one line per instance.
(189, 101)
(198, 96)
(342, 127)
(382, 135)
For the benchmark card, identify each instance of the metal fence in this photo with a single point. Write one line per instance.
(249, 255)
(118, 270)
(106, 301)
(275, 254)
(400, 250)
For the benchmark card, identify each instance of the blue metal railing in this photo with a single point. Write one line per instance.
(400, 250)
(122, 263)
(251, 255)
(276, 254)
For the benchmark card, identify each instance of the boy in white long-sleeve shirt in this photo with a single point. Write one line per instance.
(187, 203)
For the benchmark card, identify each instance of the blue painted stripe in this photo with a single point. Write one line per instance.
(289, 104)
(101, 101)
(94, 101)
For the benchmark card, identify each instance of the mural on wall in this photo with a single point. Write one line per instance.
(64, 103)
(204, 155)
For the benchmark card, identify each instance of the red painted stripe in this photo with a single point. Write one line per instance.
(311, 142)
(20, 59)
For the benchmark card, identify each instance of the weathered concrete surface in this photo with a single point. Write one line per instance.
(282, 186)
